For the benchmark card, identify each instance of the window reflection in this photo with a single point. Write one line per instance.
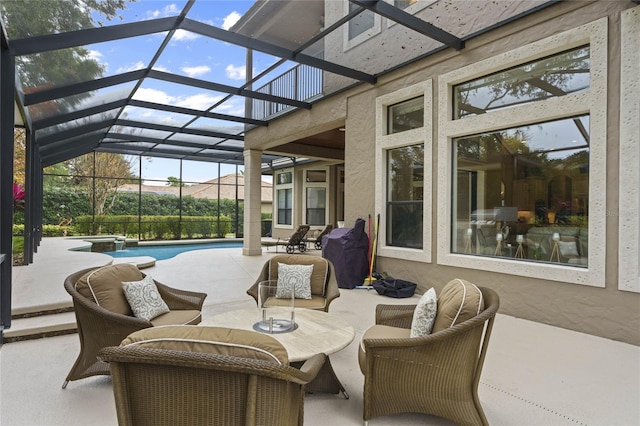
(524, 192)
(405, 196)
(557, 75)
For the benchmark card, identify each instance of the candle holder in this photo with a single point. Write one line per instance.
(555, 252)
(277, 313)
(468, 246)
(520, 249)
(498, 251)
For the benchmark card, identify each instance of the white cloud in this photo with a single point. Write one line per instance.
(137, 66)
(161, 68)
(232, 108)
(230, 20)
(199, 101)
(94, 54)
(169, 10)
(236, 73)
(182, 35)
(196, 71)
(152, 95)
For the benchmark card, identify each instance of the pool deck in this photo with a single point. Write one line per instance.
(534, 374)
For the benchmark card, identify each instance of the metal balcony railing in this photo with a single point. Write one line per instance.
(301, 83)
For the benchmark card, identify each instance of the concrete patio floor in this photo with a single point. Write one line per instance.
(534, 374)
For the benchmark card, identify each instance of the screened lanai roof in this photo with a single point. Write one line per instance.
(177, 80)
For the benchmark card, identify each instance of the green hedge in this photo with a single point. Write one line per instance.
(47, 230)
(154, 227)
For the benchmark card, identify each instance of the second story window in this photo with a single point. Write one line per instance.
(361, 23)
(403, 4)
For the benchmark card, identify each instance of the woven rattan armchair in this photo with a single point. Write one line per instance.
(99, 327)
(436, 374)
(324, 287)
(168, 387)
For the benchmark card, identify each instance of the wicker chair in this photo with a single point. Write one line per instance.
(324, 287)
(98, 327)
(159, 386)
(436, 374)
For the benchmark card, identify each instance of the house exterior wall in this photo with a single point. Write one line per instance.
(603, 308)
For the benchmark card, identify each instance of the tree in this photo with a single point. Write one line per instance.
(102, 181)
(59, 67)
(174, 181)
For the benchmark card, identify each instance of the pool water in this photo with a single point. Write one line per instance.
(162, 252)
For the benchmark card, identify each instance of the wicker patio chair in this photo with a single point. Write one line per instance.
(324, 287)
(436, 374)
(99, 327)
(208, 380)
(317, 240)
(295, 242)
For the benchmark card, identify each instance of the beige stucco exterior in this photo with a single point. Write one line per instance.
(603, 309)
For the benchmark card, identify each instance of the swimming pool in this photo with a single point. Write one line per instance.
(162, 252)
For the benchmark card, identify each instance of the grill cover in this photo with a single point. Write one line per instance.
(347, 249)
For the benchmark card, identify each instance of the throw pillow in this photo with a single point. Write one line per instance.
(144, 298)
(296, 278)
(568, 248)
(459, 301)
(424, 315)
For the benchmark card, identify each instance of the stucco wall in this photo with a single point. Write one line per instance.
(606, 312)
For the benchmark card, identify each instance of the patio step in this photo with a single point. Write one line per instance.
(36, 325)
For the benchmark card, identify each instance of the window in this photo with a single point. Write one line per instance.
(361, 23)
(284, 198)
(403, 172)
(315, 203)
(523, 193)
(405, 196)
(360, 28)
(522, 144)
(556, 75)
(403, 4)
(406, 115)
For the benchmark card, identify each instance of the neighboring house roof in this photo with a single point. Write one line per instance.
(226, 185)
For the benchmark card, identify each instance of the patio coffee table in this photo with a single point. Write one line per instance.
(317, 332)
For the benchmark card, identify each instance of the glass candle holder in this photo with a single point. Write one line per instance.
(276, 308)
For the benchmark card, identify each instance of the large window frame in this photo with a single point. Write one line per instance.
(386, 142)
(289, 186)
(592, 101)
(308, 184)
(629, 172)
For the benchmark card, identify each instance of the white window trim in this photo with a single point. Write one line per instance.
(325, 185)
(385, 142)
(629, 178)
(360, 38)
(293, 198)
(592, 101)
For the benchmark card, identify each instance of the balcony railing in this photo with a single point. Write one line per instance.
(301, 83)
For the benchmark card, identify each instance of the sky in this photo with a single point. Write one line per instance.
(187, 54)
